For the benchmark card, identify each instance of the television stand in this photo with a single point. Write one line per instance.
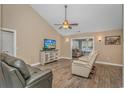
(47, 56)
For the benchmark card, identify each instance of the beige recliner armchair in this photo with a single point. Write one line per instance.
(84, 65)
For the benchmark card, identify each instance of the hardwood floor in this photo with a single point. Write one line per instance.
(106, 76)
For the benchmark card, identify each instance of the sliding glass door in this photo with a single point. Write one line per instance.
(87, 45)
(83, 46)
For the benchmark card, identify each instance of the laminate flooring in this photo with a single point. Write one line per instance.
(106, 76)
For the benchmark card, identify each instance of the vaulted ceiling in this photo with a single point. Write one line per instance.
(98, 17)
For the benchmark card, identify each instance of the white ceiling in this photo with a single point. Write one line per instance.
(90, 17)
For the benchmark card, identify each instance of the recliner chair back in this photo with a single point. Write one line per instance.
(14, 73)
(11, 77)
(2, 80)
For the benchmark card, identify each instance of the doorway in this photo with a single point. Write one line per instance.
(8, 44)
(82, 46)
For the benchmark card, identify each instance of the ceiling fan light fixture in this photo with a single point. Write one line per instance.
(65, 22)
(66, 26)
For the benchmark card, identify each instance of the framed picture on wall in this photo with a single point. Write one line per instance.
(112, 40)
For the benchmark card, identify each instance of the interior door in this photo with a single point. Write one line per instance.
(8, 42)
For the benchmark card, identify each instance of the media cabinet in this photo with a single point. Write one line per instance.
(47, 56)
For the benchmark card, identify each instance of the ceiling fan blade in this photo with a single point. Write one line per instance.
(74, 24)
(66, 24)
(70, 27)
(60, 27)
(58, 24)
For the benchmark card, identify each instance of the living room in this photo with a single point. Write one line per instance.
(35, 28)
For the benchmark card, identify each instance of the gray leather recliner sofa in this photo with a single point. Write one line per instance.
(14, 73)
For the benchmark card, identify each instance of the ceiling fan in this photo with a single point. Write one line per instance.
(66, 24)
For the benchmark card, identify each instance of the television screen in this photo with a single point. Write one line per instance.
(49, 44)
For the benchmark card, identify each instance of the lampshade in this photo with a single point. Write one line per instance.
(99, 38)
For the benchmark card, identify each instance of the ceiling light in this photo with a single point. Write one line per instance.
(65, 26)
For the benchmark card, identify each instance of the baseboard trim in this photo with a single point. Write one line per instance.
(35, 64)
(98, 62)
(64, 58)
(107, 63)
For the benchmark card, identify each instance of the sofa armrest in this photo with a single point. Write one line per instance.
(84, 58)
(40, 78)
(81, 63)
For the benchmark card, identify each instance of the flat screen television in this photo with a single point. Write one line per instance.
(49, 44)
